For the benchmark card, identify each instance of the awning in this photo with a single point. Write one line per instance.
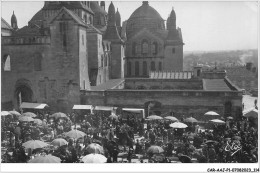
(82, 107)
(26, 105)
(133, 110)
(104, 108)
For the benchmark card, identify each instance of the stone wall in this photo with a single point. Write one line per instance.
(176, 84)
(173, 58)
(178, 102)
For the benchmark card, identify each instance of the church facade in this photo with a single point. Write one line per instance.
(65, 48)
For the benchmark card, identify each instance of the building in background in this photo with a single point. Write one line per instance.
(150, 46)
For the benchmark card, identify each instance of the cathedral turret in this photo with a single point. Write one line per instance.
(171, 21)
(171, 26)
(112, 32)
(111, 15)
(14, 22)
(103, 5)
(118, 18)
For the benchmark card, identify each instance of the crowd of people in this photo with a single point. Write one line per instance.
(130, 138)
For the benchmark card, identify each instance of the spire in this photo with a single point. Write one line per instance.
(111, 14)
(118, 18)
(103, 5)
(112, 32)
(14, 22)
(171, 26)
(171, 21)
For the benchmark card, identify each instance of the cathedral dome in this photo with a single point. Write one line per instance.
(145, 11)
(144, 17)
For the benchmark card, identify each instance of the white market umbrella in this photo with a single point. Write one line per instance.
(154, 117)
(5, 113)
(45, 159)
(94, 158)
(217, 121)
(178, 125)
(211, 113)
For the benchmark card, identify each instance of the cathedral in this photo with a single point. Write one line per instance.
(76, 52)
(72, 46)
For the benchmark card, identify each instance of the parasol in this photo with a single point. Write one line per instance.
(217, 121)
(94, 158)
(58, 115)
(171, 118)
(38, 121)
(211, 113)
(59, 142)
(25, 118)
(230, 118)
(178, 125)
(75, 134)
(45, 159)
(15, 113)
(33, 144)
(29, 114)
(155, 149)
(154, 117)
(5, 113)
(94, 149)
(191, 120)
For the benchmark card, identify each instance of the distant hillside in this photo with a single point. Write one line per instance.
(220, 58)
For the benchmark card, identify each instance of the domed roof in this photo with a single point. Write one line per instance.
(38, 16)
(96, 8)
(145, 11)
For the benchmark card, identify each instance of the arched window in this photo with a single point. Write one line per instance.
(134, 49)
(129, 68)
(37, 62)
(144, 46)
(6, 63)
(144, 68)
(154, 48)
(136, 68)
(160, 66)
(153, 66)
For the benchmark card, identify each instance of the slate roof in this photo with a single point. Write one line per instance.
(5, 25)
(92, 29)
(215, 85)
(72, 14)
(108, 85)
(31, 30)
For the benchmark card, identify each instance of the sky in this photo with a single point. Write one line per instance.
(206, 26)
